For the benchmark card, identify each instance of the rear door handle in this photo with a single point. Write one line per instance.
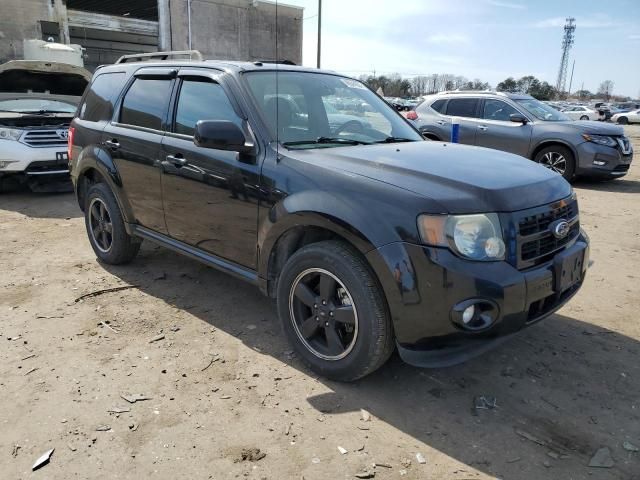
(178, 160)
(441, 122)
(112, 144)
(483, 127)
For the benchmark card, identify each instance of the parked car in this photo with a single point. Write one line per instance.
(580, 113)
(368, 241)
(522, 125)
(625, 118)
(37, 102)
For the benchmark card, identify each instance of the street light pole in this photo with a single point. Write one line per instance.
(319, 30)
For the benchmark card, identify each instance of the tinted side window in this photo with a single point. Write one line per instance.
(438, 105)
(462, 107)
(98, 104)
(202, 100)
(146, 102)
(498, 110)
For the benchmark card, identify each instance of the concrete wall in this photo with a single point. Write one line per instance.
(19, 19)
(237, 30)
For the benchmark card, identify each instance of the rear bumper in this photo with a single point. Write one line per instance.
(424, 284)
(600, 161)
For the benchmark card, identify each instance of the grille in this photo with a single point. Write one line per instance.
(46, 138)
(536, 243)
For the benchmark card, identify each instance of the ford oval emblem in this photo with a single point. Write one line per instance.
(560, 228)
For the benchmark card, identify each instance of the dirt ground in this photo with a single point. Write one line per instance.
(222, 381)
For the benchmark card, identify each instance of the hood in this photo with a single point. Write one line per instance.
(597, 128)
(461, 178)
(23, 76)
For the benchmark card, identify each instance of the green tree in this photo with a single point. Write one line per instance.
(508, 85)
(583, 94)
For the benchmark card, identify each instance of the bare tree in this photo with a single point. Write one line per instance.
(606, 89)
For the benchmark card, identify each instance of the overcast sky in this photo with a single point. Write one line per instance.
(487, 39)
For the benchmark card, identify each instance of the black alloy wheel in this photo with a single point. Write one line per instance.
(323, 314)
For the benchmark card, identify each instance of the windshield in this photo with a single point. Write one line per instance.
(30, 105)
(316, 110)
(542, 111)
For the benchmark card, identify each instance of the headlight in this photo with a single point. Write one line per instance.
(10, 134)
(601, 140)
(476, 237)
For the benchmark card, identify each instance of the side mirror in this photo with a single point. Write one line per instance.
(518, 118)
(221, 135)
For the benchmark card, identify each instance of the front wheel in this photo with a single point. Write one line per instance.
(334, 312)
(584, 117)
(623, 120)
(559, 159)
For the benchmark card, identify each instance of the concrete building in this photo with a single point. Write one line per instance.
(107, 29)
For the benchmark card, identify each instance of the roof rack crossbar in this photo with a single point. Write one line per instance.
(141, 57)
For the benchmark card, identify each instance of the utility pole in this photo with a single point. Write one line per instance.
(319, 30)
(571, 81)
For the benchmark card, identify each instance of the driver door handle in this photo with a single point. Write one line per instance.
(483, 127)
(178, 160)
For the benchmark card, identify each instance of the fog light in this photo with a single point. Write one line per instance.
(599, 163)
(6, 163)
(475, 314)
(468, 314)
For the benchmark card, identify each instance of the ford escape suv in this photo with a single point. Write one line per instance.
(38, 99)
(520, 124)
(368, 237)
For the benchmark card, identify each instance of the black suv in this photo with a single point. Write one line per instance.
(368, 237)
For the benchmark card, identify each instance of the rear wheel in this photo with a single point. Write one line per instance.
(105, 227)
(559, 159)
(334, 312)
(623, 120)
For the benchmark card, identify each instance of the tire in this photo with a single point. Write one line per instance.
(116, 247)
(623, 120)
(548, 157)
(584, 117)
(364, 345)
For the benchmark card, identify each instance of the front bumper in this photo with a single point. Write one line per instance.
(21, 158)
(599, 161)
(423, 284)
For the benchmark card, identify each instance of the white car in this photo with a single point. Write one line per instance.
(628, 117)
(37, 102)
(580, 112)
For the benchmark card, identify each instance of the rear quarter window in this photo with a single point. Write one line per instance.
(98, 103)
(438, 105)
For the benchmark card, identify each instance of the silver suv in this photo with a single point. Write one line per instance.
(522, 125)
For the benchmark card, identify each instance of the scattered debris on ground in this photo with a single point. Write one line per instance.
(602, 459)
(43, 460)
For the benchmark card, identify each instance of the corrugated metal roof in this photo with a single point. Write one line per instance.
(144, 9)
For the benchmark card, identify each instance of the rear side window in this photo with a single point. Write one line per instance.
(98, 104)
(463, 107)
(202, 100)
(438, 105)
(145, 103)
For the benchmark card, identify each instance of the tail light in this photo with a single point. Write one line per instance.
(411, 115)
(72, 131)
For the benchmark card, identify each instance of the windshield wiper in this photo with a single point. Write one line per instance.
(395, 140)
(326, 140)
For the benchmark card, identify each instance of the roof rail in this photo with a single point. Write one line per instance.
(141, 57)
(472, 92)
(279, 62)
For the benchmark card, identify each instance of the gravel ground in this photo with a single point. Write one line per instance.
(222, 383)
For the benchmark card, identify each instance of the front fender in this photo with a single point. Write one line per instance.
(360, 223)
